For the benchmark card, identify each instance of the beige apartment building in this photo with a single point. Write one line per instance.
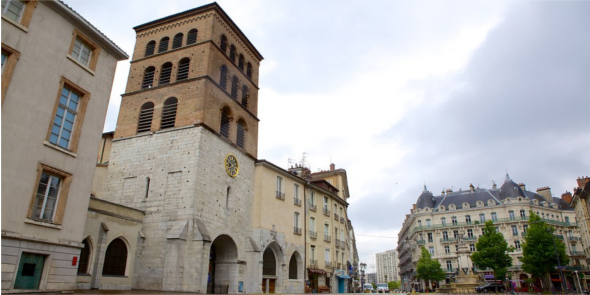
(582, 208)
(387, 266)
(436, 222)
(57, 73)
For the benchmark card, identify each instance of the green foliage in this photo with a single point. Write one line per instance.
(492, 251)
(539, 249)
(393, 285)
(374, 286)
(428, 268)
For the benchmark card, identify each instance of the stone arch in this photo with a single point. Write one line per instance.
(117, 257)
(295, 266)
(272, 258)
(223, 265)
(86, 254)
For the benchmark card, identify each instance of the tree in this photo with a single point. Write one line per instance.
(540, 249)
(492, 252)
(393, 285)
(429, 269)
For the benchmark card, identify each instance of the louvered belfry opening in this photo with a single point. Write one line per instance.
(232, 53)
(223, 77)
(249, 70)
(177, 41)
(169, 113)
(183, 69)
(245, 96)
(241, 62)
(235, 83)
(163, 45)
(165, 73)
(150, 48)
(145, 117)
(148, 77)
(241, 136)
(225, 121)
(191, 38)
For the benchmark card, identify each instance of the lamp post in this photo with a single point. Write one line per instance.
(558, 262)
(579, 286)
(363, 267)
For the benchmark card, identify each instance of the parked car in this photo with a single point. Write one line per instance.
(368, 288)
(490, 287)
(382, 288)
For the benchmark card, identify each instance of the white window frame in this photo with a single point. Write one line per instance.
(81, 45)
(279, 184)
(8, 3)
(45, 197)
(296, 191)
(296, 219)
(66, 109)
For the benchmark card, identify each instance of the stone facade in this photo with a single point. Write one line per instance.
(42, 229)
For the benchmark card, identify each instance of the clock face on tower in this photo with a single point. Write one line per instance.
(231, 165)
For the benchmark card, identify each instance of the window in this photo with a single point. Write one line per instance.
(84, 257)
(223, 78)
(249, 70)
(191, 38)
(427, 222)
(511, 215)
(468, 219)
(514, 230)
(328, 257)
(183, 69)
(47, 196)
(296, 191)
(455, 234)
(420, 223)
(241, 62)
(148, 78)
(429, 237)
(225, 120)
(223, 43)
(454, 220)
(517, 245)
(241, 134)
(177, 42)
(456, 248)
(472, 247)
(494, 217)
(83, 51)
(443, 221)
(312, 199)
(312, 250)
(18, 11)
(326, 232)
(525, 228)
(68, 117)
(445, 235)
(146, 114)
(447, 250)
(169, 113)
(293, 268)
(482, 218)
(150, 48)
(431, 250)
(279, 184)
(235, 84)
(9, 58)
(165, 73)
(245, 96)
(567, 220)
(232, 53)
(449, 265)
(470, 233)
(522, 214)
(115, 260)
(163, 45)
(312, 225)
(296, 223)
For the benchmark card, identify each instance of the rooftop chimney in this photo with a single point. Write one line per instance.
(332, 167)
(522, 186)
(567, 196)
(471, 187)
(545, 192)
(583, 180)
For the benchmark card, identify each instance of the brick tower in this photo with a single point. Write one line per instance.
(184, 151)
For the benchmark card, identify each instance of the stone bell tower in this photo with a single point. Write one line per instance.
(184, 151)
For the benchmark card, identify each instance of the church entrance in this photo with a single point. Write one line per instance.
(223, 261)
(269, 271)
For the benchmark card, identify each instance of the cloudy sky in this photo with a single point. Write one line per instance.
(406, 93)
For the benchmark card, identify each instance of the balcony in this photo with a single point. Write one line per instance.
(335, 216)
(574, 238)
(337, 243)
(327, 238)
(313, 207)
(327, 212)
(313, 234)
(297, 201)
(342, 244)
(559, 237)
(448, 240)
(341, 219)
(297, 230)
(313, 263)
(328, 264)
(421, 242)
(450, 270)
(280, 195)
(515, 267)
(472, 238)
(577, 253)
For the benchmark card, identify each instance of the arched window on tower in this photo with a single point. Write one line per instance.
(163, 45)
(148, 78)
(241, 62)
(115, 260)
(232, 53)
(223, 44)
(225, 121)
(177, 42)
(146, 113)
(150, 48)
(183, 69)
(84, 258)
(241, 134)
(249, 70)
(165, 73)
(191, 38)
(223, 78)
(235, 84)
(169, 113)
(245, 96)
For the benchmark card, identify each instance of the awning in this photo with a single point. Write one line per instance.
(489, 276)
(556, 280)
(315, 270)
(344, 277)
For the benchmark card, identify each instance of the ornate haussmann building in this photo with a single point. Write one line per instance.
(436, 222)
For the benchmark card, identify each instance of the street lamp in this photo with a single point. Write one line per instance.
(579, 286)
(363, 267)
